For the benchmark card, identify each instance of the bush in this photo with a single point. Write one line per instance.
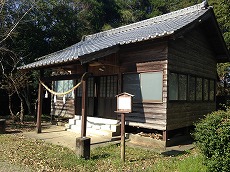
(213, 139)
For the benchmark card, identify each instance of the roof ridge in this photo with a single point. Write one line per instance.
(191, 9)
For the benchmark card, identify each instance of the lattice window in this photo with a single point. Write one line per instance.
(63, 86)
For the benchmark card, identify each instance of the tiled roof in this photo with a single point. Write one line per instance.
(160, 26)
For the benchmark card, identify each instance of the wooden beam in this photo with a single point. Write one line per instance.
(39, 107)
(61, 77)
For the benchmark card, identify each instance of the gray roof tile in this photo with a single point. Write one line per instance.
(160, 26)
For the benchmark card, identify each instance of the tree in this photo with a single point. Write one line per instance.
(12, 81)
(222, 12)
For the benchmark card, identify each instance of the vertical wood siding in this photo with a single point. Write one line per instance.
(64, 110)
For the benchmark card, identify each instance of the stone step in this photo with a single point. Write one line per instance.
(100, 126)
(111, 127)
(75, 128)
(96, 120)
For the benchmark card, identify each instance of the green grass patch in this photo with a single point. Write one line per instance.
(39, 155)
(189, 162)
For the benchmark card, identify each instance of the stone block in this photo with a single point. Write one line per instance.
(96, 127)
(72, 121)
(2, 126)
(105, 127)
(83, 147)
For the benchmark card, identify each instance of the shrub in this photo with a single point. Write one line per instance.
(213, 139)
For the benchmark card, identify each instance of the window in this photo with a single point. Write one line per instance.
(206, 89)
(131, 84)
(192, 88)
(111, 86)
(173, 86)
(199, 88)
(177, 86)
(144, 86)
(103, 86)
(108, 86)
(90, 86)
(79, 89)
(90, 90)
(212, 90)
(63, 86)
(182, 87)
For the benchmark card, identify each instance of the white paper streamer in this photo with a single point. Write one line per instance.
(73, 94)
(64, 100)
(55, 98)
(46, 94)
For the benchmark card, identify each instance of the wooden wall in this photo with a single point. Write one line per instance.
(62, 110)
(190, 54)
(146, 57)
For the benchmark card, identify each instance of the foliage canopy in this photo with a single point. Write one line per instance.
(213, 139)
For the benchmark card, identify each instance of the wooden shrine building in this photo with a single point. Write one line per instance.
(167, 62)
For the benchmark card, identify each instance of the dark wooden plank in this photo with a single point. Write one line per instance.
(61, 77)
(193, 55)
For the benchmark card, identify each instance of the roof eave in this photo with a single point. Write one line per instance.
(220, 35)
(80, 60)
(99, 54)
(209, 14)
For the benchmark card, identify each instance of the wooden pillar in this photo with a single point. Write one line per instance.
(165, 135)
(84, 108)
(39, 109)
(75, 98)
(84, 104)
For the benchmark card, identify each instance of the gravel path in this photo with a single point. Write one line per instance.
(7, 167)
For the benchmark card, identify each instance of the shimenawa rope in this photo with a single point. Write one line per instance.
(64, 93)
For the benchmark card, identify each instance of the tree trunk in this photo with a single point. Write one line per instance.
(10, 109)
(21, 117)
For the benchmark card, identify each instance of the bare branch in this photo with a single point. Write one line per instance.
(2, 3)
(16, 24)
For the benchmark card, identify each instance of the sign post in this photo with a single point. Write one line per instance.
(123, 137)
(124, 105)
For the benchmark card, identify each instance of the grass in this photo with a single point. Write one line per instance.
(40, 156)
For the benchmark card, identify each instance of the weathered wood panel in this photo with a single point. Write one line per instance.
(190, 55)
(186, 113)
(193, 55)
(109, 64)
(107, 107)
(63, 110)
(143, 52)
(67, 110)
(146, 57)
